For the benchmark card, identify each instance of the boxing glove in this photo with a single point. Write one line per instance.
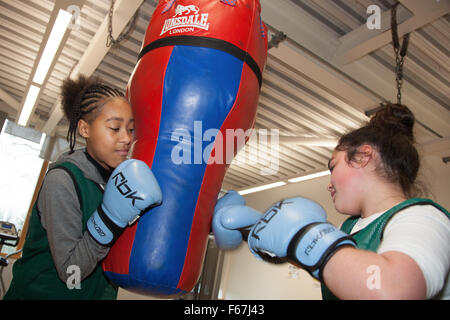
(296, 230)
(231, 218)
(131, 190)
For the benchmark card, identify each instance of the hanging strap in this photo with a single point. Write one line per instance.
(229, 2)
(400, 52)
(170, 4)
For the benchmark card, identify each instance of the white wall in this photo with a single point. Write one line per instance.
(436, 177)
(245, 277)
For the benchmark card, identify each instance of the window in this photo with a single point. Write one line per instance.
(20, 166)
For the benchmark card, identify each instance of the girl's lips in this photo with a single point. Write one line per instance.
(122, 152)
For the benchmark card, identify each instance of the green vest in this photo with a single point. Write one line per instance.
(370, 237)
(35, 275)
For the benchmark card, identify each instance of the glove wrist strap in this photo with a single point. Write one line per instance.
(115, 230)
(339, 239)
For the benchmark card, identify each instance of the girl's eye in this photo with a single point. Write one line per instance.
(115, 129)
(331, 167)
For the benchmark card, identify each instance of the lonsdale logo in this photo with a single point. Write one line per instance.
(186, 19)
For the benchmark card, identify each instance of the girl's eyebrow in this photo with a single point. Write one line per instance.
(114, 118)
(118, 119)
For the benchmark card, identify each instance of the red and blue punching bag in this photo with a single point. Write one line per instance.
(199, 71)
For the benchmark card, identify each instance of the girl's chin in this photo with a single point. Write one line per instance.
(115, 163)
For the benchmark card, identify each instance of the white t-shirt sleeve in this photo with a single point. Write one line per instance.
(423, 233)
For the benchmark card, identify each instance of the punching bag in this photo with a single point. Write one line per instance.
(197, 79)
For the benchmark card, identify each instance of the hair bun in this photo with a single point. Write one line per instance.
(395, 118)
(71, 91)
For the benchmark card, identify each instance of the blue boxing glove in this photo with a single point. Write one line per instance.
(296, 230)
(131, 190)
(232, 220)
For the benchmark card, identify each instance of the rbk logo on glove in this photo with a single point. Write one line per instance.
(124, 189)
(261, 224)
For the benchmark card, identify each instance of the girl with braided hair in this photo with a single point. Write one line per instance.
(61, 260)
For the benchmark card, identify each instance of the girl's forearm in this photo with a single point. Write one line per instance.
(359, 274)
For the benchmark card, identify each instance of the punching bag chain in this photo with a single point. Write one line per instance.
(110, 41)
(400, 52)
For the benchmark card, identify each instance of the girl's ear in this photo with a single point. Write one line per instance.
(83, 128)
(363, 156)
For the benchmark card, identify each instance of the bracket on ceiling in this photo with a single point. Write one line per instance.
(276, 39)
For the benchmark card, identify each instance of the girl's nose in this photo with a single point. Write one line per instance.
(126, 137)
(330, 187)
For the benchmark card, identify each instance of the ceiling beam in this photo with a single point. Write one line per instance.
(361, 41)
(124, 10)
(6, 97)
(365, 83)
(425, 8)
(297, 24)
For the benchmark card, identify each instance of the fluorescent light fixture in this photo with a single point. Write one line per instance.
(5, 124)
(32, 95)
(53, 42)
(310, 176)
(41, 143)
(261, 188)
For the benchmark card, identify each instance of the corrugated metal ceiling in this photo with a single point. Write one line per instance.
(291, 100)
